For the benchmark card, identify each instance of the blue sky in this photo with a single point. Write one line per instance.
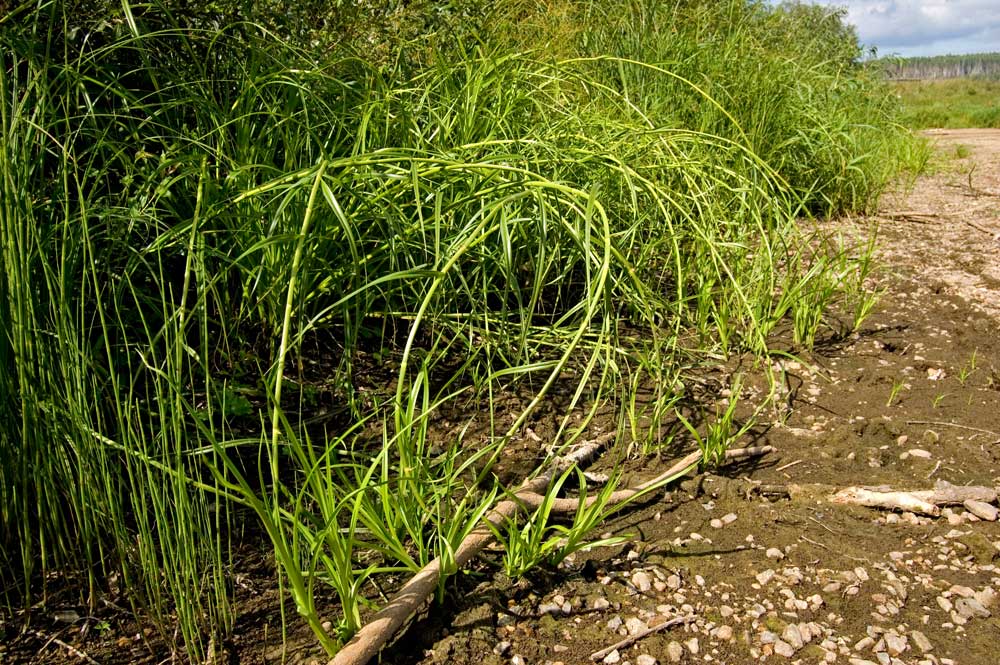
(924, 27)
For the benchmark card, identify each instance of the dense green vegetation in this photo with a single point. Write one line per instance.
(949, 103)
(973, 65)
(215, 222)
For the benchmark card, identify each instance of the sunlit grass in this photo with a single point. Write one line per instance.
(489, 220)
(949, 103)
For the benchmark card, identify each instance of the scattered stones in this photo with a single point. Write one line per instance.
(502, 648)
(613, 657)
(692, 645)
(774, 553)
(645, 659)
(963, 591)
(864, 644)
(601, 604)
(675, 652)
(919, 452)
(987, 597)
(550, 608)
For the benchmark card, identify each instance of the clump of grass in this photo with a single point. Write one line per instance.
(478, 218)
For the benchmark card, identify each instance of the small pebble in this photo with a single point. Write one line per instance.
(921, 641)
(783, 649)
(642, 582)
(982, 510)
(723, 632)
(765, 576)
(895, 644)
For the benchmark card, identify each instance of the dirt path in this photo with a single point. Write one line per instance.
(910, 400)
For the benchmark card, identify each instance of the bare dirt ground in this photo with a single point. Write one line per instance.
(910, 400)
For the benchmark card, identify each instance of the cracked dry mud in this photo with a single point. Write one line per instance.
(911, 399)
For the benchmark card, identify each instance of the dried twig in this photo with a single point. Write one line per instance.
(632, 639)
(789, 465)
(946, 424)
(52, 639)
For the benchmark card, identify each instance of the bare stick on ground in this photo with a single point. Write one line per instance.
(632, 639)
(925, 502)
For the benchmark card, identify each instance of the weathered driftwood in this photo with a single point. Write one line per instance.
(373, 635)
(926, 502)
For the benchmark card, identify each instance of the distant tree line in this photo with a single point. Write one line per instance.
(975, 65)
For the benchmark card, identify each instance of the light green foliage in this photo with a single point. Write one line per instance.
(721, 431)
(185, 202)
(968, 369)
(539, 539)
(949, 103)
(897, 386)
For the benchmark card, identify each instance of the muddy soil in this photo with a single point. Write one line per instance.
(909, 400)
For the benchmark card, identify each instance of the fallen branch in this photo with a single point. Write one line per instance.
(632, 639)
(532, 500)
(926, 502)
(373, 635)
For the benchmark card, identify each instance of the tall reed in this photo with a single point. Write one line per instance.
(184, 207)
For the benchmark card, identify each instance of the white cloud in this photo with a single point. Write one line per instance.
(925, 27)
